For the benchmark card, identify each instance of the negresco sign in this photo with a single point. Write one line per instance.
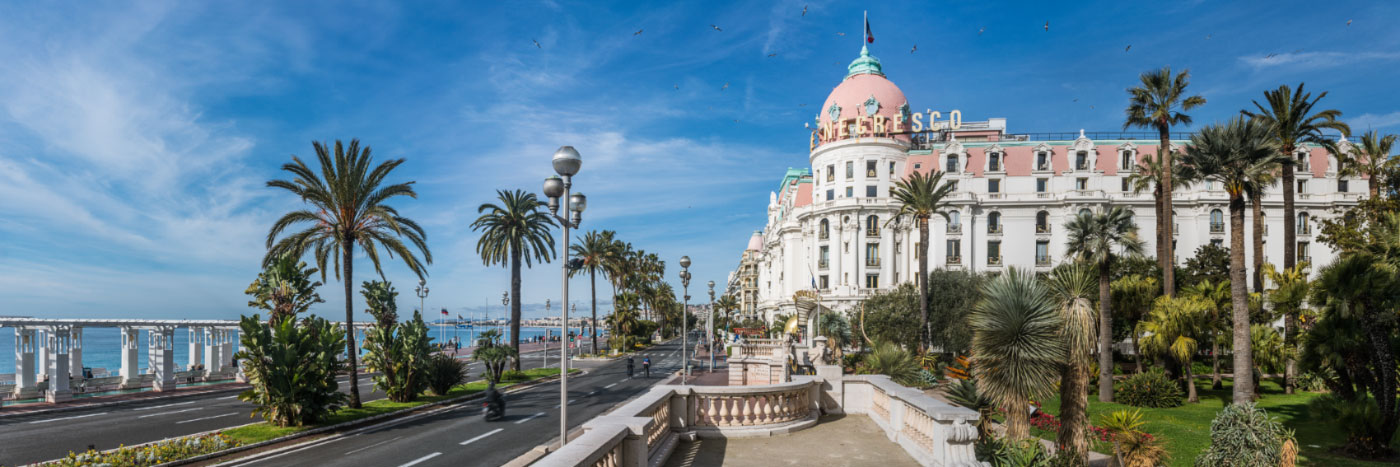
(879, 125)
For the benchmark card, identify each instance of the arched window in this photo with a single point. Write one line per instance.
(1217, 221)
(952, 163)
(1042, 222)
(824, 230)
(872, 226)
(1303, 224)
(994, 222)
(1085, 212)
(954, 222)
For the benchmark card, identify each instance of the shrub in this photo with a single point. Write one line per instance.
(292, 368)
(890, 360)
(1359, 417)
(444, 372)
(1021, 453)
(399, 352)
(1244, 435)
(161, 452)
(1132, 446)
(964, 393)
(1148, 389)
(926, 379)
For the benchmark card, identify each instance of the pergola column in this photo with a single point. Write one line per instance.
(40, 338)
(196, 351)
(130, 364)
(75, 353)
(163, 357)
(24, 363)
(211, 351)
(226, 350)
(57, 346)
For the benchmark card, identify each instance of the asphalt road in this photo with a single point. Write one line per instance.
(460, 436)
(29, 439)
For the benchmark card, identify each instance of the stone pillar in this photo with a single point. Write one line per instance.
(75, 353)
(163, 357)
(226, 351)
(131, 369)
(196, 351)
(211, 351)
(24, 364)
(57, 345)
(41, 338)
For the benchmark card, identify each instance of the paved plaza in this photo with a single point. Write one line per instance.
(838, 440)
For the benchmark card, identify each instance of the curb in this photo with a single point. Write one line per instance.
(363, 421)
(96, 405)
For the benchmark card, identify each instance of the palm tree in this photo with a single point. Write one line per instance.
(284, 289)
(1256, 202)
(1072, 287)
(1132, 298)
(922, 196)
(1159, 103)
(1017, 346)
(1371, 159)
(592, 249)
(1217, 298)
(348, 210)
(726, 304)
(1238, 154)
(1173, 328)
(1288, 296)
(1290, 121)
(1361, 287)
(1093, 238)
(513, 230)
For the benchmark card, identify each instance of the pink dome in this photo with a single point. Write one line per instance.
(756, 242)
(864, 88)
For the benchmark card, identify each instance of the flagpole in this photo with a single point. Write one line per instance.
(866, 30)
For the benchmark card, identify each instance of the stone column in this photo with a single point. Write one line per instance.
(211, 351)
(41, 337)
(24, 364)
(131, 367)
(163, 357)
(75, 353)
(226, 351)
(196, 351)
(57, 346)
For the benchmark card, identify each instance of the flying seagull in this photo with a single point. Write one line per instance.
(726, 86)
(981, 30)
(772, 55)
(638, 33)
(1271, 55)
(840, 33)
(1047, 26)
(1129, 47)
(916, 47)
(804, 10)
(716, 27)
(678, 87)
(1348, 22)
(537, 44)
(1208, 36)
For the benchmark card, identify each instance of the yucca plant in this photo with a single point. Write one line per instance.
(889, 359)
(1244, 434)
(291, 368)
(445, 372)
(964, 393)
(1017, 347)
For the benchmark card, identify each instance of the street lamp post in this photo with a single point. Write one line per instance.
(710, 328)
(544, 361)
(566, 163)
(685, 321)
(505, 302)
(422, 293)
(574, 310)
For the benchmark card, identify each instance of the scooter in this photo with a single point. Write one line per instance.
(494, 407)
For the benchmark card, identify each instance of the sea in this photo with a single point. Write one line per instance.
(102, 346)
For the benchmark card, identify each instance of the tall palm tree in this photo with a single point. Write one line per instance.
(1289, 294)
(1159, 103)
(1017, 346)
(348, 209)
(1291, 122)
(1371, 159)
(592, 249)
(1256, 202)
(1094, 239)
(1238, 153)
(1217, 298)
(1361, 287)
(514, 230)
(1132, 298)
(921, 196)
(1072, 287)
(1173, 328)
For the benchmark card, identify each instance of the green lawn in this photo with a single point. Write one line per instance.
(264, 431)
(1186, 429)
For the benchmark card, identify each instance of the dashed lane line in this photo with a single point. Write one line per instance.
(172, 412)
(480, 437)
(532, 417)
(68, 418)
(421, 459)
(166, 405)
(205, 418)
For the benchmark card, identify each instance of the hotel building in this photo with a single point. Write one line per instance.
(827, 223)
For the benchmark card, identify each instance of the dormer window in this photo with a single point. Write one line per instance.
(1125, 161)
(1303, 164)
(1081, 160)
(1042, 160)
(994, 162)
(952, 163)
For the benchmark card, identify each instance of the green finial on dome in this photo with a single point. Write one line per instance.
(865, 64)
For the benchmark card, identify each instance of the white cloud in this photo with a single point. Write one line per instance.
(1363, 122)
(1316, 60)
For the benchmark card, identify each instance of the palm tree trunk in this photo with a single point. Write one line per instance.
(1074, 406)
(1239, 295)
(1018, 423)
(1137, 351)
(1258, 240)
(1162, 217)
(923, 284)
(1384, 383)
(348, 254)
(515, 307)
(1215, 362)
(1374, 186)
(1105, 335)
(1191, 384)
(1168, 272)
(593, 290)
(1290, 233)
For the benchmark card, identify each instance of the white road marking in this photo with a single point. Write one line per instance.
(591, 393)
(229, 397)
(69, 418)
(532, 417)
(166, 405)
(480, 437)
(570, 401)
(373, 445)
(205, 418)
(610, 386)
(172, 412)
(421, 459)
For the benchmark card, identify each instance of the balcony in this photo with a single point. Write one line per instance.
(870, 174)
(1305, 229)
(954, 260)
(1217, 227)
(1044, 196)
(996, 195)
(823, 234)
(1042, 228)
(1305, 258)
(872, 232)
(822, 264)
(994, 229)
(954, 228)
(994, 261)
(872, 262)
(1042, 260)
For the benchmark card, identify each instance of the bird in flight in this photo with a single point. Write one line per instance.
(840, 33)
(916, 47)
(638, 33)
(726, 86)
(1047, 26)
(1076, 99)
(1208, 36)
(678, 87)
(716, 27)
(804, 10)
(1271, 55)
(1129, 47)
(1348, 22)
(537, 44)
(772, 55)
(981, 30)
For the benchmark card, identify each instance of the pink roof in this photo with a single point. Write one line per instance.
(852, 93)
(804, 195)
(756, 242)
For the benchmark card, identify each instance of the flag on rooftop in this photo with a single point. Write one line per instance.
(869, 36)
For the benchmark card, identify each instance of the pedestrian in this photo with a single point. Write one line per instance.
(629, 366)
(646, 366)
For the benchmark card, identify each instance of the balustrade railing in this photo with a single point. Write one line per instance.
(752, 408)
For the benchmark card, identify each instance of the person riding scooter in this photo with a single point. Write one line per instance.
(494, 407)
(629, 366)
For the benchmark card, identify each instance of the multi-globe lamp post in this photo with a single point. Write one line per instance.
(710, 328)
(685, 321)
(566, 163)
(422, 293)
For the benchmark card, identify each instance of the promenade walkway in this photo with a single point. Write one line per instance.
(838, 440)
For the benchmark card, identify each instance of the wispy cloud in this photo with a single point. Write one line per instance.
(1316, 60)
(1364, 122)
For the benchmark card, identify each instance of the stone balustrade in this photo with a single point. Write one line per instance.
(931, 431)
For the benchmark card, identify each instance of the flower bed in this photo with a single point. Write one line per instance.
(1050, 423)
(156, 453)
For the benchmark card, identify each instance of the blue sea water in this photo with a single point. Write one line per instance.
(102, 346)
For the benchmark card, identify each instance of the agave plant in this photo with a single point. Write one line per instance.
(890, 360)
(964, 392)
(292, 369)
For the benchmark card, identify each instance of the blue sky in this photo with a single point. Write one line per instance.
(135, 140)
